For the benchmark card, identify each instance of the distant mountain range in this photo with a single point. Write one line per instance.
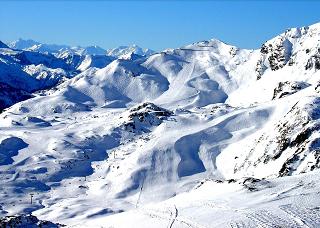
(29, 66)
(31, 45)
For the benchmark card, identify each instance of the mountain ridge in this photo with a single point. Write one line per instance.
(31, 45)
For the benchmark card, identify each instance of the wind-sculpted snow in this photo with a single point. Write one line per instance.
(206, 135)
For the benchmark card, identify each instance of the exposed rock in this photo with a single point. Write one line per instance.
(260, 68)
(233, 51)
(313, 62)
(294, 139)
(30, 221)
(287, 88)
(274, 55)
(144, 116)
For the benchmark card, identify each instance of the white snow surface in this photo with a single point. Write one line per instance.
(123, 52)
(206, 135)
(31, 45)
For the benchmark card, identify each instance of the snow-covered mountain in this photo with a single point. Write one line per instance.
(31, 45)
(28, 66)
(125, 52)
(22, 44)
(206, 135)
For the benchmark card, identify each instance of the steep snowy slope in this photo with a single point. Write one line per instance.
(202, 73)
(292, 57)
(179, 138)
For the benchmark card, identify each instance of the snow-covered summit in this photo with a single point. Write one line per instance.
(124, 51)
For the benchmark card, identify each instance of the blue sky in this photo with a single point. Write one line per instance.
(153, 24)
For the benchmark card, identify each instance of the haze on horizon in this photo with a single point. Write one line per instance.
(152, 24)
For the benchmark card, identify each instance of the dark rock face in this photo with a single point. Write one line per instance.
(303, 144)
(287, 88)
(278, 57)
(260, 68)
(23, 221)
(274, 56)
(313, 62)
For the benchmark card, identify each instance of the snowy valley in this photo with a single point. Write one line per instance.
(206, 135)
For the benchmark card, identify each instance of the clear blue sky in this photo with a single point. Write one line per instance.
(154, 24)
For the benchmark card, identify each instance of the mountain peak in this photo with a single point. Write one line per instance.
(122, 51)
(211, 44)
(22, 43)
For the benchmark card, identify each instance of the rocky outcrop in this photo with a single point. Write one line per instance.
(313, 62)
(294, 140)
(275, 54)
(287, 88)
(20, 221)
(146, 115)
